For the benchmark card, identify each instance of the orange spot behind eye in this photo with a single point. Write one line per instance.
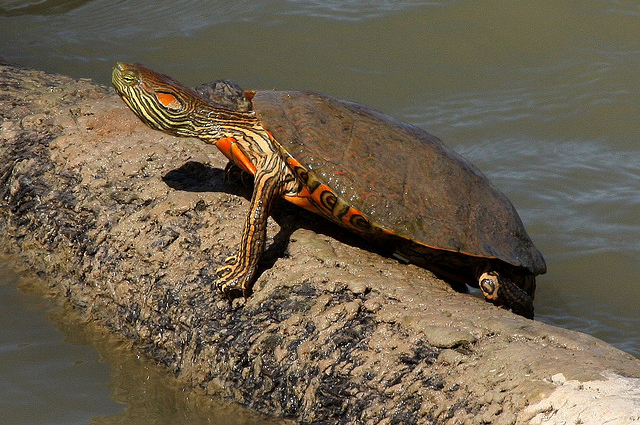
(168, 100)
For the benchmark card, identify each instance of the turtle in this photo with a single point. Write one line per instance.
(385, 180)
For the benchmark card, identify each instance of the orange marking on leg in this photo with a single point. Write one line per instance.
(225, 146)
(303, 202)
(293, 163)
(230, 149)
(316, 195)
(349, 215)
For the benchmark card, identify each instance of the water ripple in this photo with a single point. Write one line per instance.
(352, 10)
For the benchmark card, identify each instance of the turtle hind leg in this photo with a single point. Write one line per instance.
(501, 291)
(237, 275)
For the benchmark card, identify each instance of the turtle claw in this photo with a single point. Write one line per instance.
(232, 280)
(232, 259)
(227, 268)
(222, 272)
(233, 288)
(229, 289)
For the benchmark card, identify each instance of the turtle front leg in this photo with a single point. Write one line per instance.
(501, 291)
(238, 274)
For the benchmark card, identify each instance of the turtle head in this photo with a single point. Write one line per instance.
(502, 291)
(160, 101)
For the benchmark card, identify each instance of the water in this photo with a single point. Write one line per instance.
(37, 367)
(55, 369)
(543, 96)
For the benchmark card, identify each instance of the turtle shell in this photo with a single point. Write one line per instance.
(402, 177)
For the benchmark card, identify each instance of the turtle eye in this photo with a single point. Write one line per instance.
(169, 101)
(129, 77)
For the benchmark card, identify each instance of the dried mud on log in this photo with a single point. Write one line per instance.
(129, 226)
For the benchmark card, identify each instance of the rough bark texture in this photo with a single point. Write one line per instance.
(129, 225)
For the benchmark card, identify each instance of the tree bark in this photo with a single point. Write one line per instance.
(129, 225)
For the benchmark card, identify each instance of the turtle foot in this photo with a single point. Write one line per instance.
(237, 175)
(501, 291)
(233, 281)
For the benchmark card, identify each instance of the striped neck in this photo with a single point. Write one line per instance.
(210, 122)
(165, 104)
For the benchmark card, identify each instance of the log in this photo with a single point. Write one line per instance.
(129, 225)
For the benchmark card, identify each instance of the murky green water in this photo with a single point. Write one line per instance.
(55, 369)
(543, 96)
(38, 366)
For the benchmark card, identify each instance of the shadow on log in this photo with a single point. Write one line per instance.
(130, 225)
